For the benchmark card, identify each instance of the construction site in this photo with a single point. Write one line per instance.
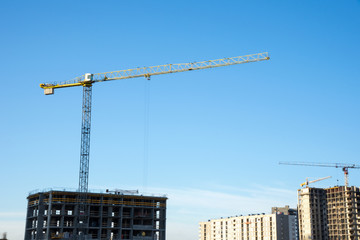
(328, 213)
(331, 213)
(82, 214)
(322, 213)
(167, 120)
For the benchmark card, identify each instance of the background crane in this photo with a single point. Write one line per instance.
(88, 79)
(344, 166)
(307, 182)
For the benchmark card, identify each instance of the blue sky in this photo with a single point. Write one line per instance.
(215, 136)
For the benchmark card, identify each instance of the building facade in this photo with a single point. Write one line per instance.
(331, 213)
(4, 237)
(275, 226)
(312, 213)
(56, 215)
(343, 212)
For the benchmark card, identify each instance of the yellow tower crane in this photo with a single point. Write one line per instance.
(307, 182)
(88, 79)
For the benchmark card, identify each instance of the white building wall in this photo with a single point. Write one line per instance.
(255, 227)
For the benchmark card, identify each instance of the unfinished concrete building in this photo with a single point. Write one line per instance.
(312, 214)
(331, 213)
(55, 215)
(343, 212)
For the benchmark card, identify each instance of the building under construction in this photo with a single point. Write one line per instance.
(331, 213)
(117, 215)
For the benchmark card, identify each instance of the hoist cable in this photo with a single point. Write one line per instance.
(146, 132)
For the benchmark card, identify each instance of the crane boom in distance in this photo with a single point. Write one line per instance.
(344, 166)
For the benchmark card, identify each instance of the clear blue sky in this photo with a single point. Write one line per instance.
(216, 136)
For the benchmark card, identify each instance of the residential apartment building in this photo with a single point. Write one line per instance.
(57, 215)
(329, 214)
(275, 226)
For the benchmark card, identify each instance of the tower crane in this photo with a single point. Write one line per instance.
(87, 80)
(344, 166)
(317, 180)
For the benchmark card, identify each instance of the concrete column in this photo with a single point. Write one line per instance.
(28, 225)
(40, 218)
(48, 217)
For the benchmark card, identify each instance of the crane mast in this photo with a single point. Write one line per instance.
(88, 79)
(85, 139)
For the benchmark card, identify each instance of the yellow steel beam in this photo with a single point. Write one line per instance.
(49, 86)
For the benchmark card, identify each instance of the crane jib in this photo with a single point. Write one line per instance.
(153, 70)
